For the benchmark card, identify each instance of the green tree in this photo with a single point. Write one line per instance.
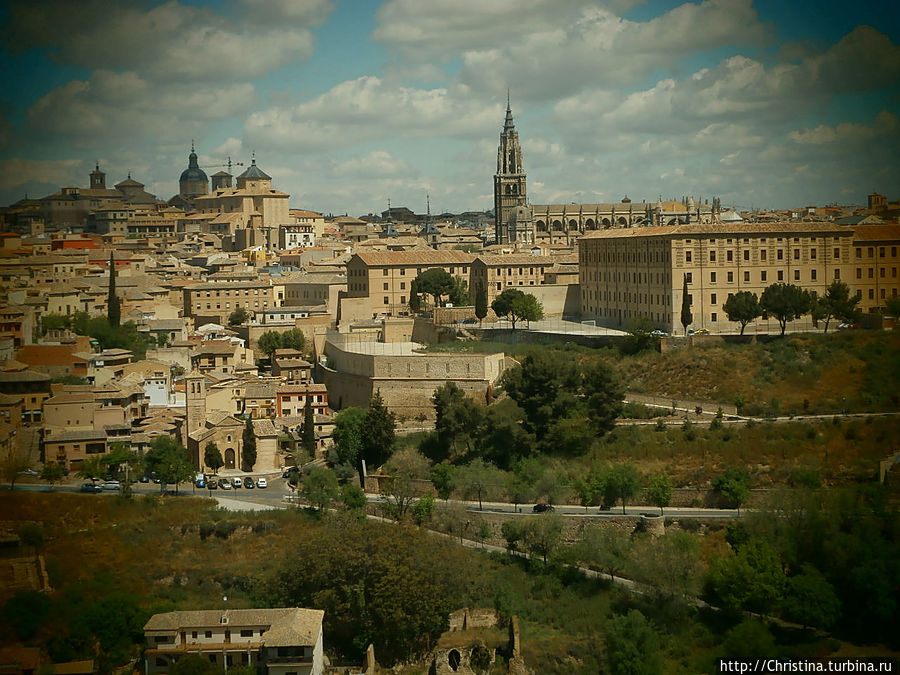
(248, 451)
(478, 479)
(380, 426)
(55, 322)
(406, 469)
(436, 282)
(785, 302)
(52, 473)
(238, 317)
(308, 429)
(632, 647)
(480, 302)
(622, 483)
(810, 600)
(457, 419)
(442, 478)
(605, 548)
(542, 534)
(294, 338)
(749, 640)
(458, 295)
(503, 304)
(734, 486)
(545, 386)
(116, 620)
(602, 394)
(25, 612)
(93, 468)
(659, 491)
(892, 307)
(839, 303)
(168, 459)
(742, 307)
(415, 302)
(113, 308)
(268, 342)
(353, 496)
(422, 509)
(670, 565)
(12, 464)
(526, 307)
(349, 432)
(212, 457)
(320, 487)
(750, 580)
(194, 664)
(686, 317)
(502, 438)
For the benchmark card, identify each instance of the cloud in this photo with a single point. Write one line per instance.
(18, 171)
(367, 109)
(123, 107)
(377, 164)
(170, 41)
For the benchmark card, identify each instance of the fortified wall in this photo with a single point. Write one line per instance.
(355, 370)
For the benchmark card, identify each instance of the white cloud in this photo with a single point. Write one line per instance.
(377, 164)
(166, 42)
(367, 109)
(17, 171)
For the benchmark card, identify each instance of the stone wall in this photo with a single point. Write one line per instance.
(557, 299)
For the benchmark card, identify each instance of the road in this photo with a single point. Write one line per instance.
(274, 497)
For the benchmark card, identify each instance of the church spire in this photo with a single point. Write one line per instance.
(508, 124)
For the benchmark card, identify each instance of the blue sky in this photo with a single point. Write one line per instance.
(349, 103)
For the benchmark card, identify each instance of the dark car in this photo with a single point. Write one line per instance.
(543, 508)
(211, 484)
(248, 482)
(145, 479)
(288, 471)
(90, 488)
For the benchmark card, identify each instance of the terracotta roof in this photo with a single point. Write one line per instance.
(733, 230)
(421, 257)
(288, 627)
(524, 259)
(876, 233)
(302, 389)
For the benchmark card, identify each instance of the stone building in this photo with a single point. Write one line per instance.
(272, 641)
(496, 273)
(875, 262)
(510, 190)
(638, 273)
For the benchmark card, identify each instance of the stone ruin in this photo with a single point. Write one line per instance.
(469, 655)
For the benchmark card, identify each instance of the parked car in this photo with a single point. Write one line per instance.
(211, 484)
(90, 488)
(224, 483)
(236, 482)
(29, 472)
(659, 333)
(699, 331)
(248, 482)
(145, 479)
(848, 326)
(111, 485)
(262, 483)
(543, 508)
(200, 483)
(288, 471)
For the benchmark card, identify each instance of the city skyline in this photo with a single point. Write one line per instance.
(347, 105)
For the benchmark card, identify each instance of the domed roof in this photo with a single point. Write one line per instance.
(254, 171)
(193, 172)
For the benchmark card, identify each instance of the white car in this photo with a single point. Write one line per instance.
(262, 483)
(237, 482)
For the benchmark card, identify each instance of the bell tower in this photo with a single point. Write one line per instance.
(195, 398)
(98, 178)
(509, 181)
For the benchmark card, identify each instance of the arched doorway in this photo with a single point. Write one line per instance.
(229, 458)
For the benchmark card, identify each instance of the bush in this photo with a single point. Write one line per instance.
(225, 528)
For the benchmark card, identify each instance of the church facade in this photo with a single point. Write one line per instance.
(518, 222)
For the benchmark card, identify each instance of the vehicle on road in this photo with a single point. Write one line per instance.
(542, 508)
(659, 333)
(200, 483)
(699, 331)
(288, 471)
(262, 483)
(111, 485)
(91, 488)
(212, 484)
(224, 483)
(248, 482)
(848, 326)
(145, 479)
(236, 482)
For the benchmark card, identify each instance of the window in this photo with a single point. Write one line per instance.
(729, 255)
(837, 273)
(881, 272)
(712, 298)
(688, 256)
(731, 277)
(208, 634)
(402, 271)
(402, 285)
(746, 254)
(690, 277)
(813, 275)
(194, 634)
(747, 275)
(712, 277)
(796, 275)
(870, 252)
(780, 275)
(837, 253)
(812, 254)
(796, 254)
(859, 272)
(762, 275)
(247, 633)
(402, 299)
(779, 254)
(871, 294)
(858, 253)
(384, 271)
(871, 273)
(712, 256)
(763, 254)
(714, 317)
(386, 300)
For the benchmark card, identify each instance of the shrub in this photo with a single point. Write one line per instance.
(225, 528)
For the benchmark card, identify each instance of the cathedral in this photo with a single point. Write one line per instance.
(518, 222)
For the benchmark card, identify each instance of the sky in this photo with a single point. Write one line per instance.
(350, 103)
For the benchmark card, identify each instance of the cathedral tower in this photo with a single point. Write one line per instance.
(193, 181)
(509, 181)
(98, 178)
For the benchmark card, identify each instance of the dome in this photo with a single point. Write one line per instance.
(193, 172)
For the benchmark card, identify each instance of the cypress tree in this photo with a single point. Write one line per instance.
(480, 302)
(308, 431)
(113, 309)
(686, 317)
(248, 452)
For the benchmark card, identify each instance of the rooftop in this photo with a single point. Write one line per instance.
(287, 627)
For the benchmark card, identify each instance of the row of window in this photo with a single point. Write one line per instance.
(763, 276)
(882, 252)
(882, 273)
(236, 305)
